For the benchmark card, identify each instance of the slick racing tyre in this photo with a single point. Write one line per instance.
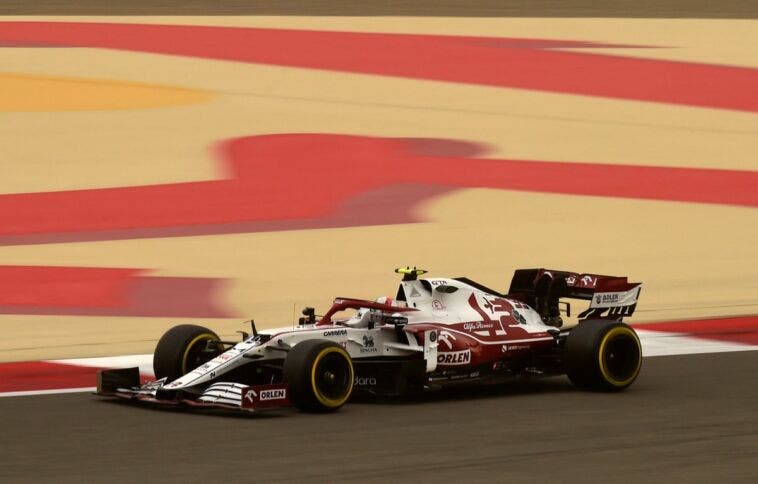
(602, 355)
(320, 375)
(181, 350)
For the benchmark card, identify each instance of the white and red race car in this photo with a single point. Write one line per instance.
(435, 332)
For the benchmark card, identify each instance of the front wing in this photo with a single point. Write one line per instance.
(124, 384)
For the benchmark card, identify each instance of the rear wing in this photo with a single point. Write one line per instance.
(614, 295)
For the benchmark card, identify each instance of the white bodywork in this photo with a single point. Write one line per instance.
(432, 300)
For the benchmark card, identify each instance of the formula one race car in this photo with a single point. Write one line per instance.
(434, 333)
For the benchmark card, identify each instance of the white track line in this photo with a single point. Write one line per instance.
(659, 343)
(144, 362)
(46, 392)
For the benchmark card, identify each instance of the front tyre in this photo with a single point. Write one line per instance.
(182, 349)
(320, 375)
(602, 355)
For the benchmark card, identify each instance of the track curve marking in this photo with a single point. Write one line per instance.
(305, 178)
(103, 291)
(505, 62)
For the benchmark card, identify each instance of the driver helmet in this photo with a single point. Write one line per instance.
(390, 302)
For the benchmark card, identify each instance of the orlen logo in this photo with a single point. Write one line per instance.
(276, 394)
(454, 358)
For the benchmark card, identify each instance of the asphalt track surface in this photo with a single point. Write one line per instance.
(686, 419)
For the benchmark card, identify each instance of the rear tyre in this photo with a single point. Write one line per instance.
(320, 376)
(181, 349)
(602, 355)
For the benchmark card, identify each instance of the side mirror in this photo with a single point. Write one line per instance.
(396, 319)
(309, 314)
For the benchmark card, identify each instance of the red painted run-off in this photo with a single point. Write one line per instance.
(506, 62)
(41, 375)
(310, 176)
(98, 291)
(45, 375)
(64, 286)
(743, 329)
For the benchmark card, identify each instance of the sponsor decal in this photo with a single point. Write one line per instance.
(571, 280)
(364, 381)
(606, 298)
(274, 394)
(152, 385)
(336, 332)
(518, 316)
(433, 336)
(588, 281)
(368, 344)
(476, 325)
(496, 305)
(438, 283)
(437, 305)
(271, 396)
(451, 358)
(615, 299)
(507, 348)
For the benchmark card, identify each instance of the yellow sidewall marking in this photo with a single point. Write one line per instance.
(324, 400)
(195, 340)
(603, 371)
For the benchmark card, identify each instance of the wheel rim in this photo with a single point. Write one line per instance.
(193, 354)
(620, 356)
(332, 377)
